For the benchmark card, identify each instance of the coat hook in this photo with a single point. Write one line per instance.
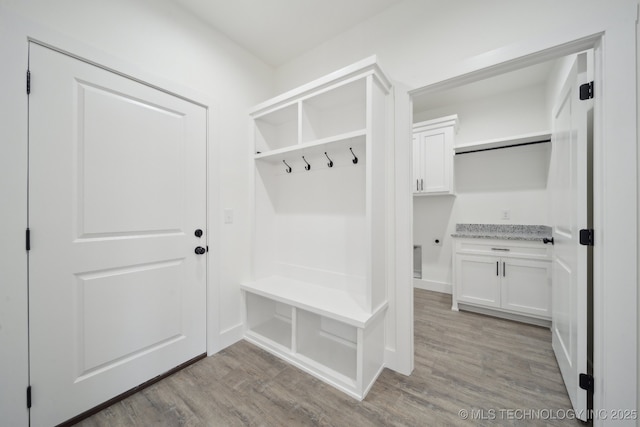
(288, 169)
(330, 164)
(308, 167)
(355, 159)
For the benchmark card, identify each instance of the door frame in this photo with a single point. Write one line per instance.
(15, 34)
(613, 38)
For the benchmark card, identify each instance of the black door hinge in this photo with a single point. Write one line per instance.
(28, 82)
(586, 237)
(586, 91)
(586, 382)
(29, 397)
(28, 239)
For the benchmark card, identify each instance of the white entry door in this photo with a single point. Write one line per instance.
(117, 188)
(568, 184)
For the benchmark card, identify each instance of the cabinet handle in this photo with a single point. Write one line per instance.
(421, 185)
(501, 249)
(504, 270)
(417, 185)
(497, 268)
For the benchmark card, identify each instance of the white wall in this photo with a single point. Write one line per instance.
(416, 40)
(158, 40)
(498, 115)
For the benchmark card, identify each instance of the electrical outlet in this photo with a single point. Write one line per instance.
(436, 241)
(506, 214)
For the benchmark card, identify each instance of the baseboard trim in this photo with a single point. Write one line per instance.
(231, 336)
(433, 285)
(122, 396)
(504, 315)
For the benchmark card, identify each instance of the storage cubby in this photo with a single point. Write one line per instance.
(320, 227)
(330, 343)
(269, 319)
(335, 112)
(277, 129)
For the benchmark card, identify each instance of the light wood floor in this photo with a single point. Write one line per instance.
(463, 361)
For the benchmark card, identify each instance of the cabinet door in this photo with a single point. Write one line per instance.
(478, 280)
(438, 158)
(418, 163)
(433, 161)
(526, 286)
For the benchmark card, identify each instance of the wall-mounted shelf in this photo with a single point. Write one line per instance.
(337, 142)
(492, 144)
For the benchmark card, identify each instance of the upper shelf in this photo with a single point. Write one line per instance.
(504, 142)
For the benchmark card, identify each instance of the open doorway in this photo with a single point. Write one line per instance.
(490, 140)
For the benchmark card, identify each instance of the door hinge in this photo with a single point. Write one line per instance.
(586, 236)
(28, 239)
(586, 91)
(586, 382)
(29, 397)
(28, 82)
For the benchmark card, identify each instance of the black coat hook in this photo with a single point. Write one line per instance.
(308, 167)
(330, 164)
(288, 169)
(355, 159)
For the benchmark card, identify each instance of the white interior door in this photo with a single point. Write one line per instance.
(117, 189)
(568, 191)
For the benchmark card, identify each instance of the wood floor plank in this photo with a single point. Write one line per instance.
(463, 361)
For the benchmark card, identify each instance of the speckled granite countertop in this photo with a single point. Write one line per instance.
(503, 231)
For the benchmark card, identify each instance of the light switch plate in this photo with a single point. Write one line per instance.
(228, 216)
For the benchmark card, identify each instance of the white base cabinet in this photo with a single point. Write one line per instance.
(509, 277)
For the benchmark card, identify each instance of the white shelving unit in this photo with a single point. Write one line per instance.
(318, 293)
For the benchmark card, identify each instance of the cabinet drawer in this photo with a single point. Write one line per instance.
(503, 248)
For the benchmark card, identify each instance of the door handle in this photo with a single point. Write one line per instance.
(200, 250)
(497, 268)
(198, 233)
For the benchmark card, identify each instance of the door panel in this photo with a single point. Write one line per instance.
(568, 200)
(117, 188)
(479, 280)
(154, 143)
(526, 286)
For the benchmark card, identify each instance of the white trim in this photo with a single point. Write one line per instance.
(615, 185)
(433, 285)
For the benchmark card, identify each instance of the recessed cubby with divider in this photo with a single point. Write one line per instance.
(318, 293)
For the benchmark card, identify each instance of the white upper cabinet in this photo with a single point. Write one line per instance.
(433, 151)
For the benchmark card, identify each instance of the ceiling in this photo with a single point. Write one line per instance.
(277, 31)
